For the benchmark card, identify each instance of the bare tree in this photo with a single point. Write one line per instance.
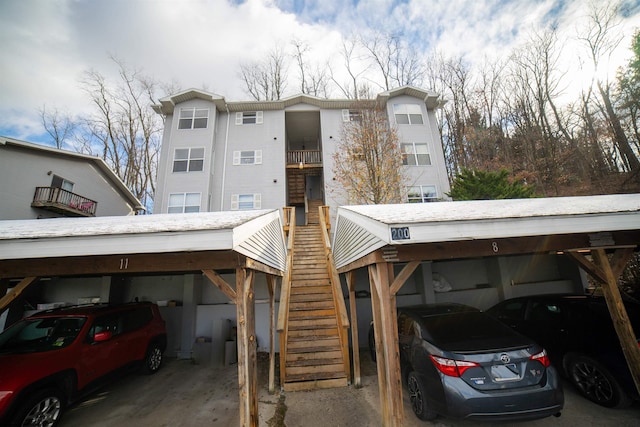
(124, 131)
(59, 126)
(353, 87)
(313, 78)
(368, 161)
(399, 64)
(602, 38)
(266, 79)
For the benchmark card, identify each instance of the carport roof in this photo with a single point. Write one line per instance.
(256, 234)
(361, 230)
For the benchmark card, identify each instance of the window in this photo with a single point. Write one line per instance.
(408, 114)
(184, 202)
(414, 154)
(193, 118)
(245, 201)
(60, 182)
(247, 157)
(249, 118)
(351, 115)
(422, 194)
(188, 159)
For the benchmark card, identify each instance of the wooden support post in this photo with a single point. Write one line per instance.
(247, 357)
(386, 332)
(15, 292)
(271, 285)
(351, 284)
(628, 340)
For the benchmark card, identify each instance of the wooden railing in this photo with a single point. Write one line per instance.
(63, 201)
(295, 157)
(285, 290)
(338, 298)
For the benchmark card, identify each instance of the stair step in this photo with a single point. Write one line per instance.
(313, 308)
(301, 356)
(311, 289)
(310, 376)
(298, 297)
(314, 362)
(310, 334)
(327, 344)
(307, 324)
(316, 352)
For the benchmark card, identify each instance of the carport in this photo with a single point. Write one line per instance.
(599, 232)
(246, 242)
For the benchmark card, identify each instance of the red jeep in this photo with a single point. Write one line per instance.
(53, 357)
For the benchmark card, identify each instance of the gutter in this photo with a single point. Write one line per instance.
(224, 159)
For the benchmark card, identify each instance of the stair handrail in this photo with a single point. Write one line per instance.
(336, 288)
(285, 290)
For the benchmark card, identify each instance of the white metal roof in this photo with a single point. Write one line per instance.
(363, 229)
(256, 234)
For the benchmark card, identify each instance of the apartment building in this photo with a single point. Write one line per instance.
(220, 155)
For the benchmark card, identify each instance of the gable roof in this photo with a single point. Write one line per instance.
(167, 104)
(256, 234)
(97, 161)
(361, 230)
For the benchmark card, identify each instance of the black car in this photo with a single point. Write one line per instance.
(461, 363)
(578, 333)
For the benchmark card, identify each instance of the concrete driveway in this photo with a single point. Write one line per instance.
(186, 394)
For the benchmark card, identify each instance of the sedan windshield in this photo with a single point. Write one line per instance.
(40, 334)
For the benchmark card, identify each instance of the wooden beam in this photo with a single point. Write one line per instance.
(121, 264)
(219, 282)
(351, 285)
(592, 269)
(247, 352)
(381, 360)
(488, 247)
(388, 324)
(406, 272)
(16, 292)
(621, 323)
(271, 286)
(258, 266)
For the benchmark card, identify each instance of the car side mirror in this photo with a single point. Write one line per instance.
(102, 336)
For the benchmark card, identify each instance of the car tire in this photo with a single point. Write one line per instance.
(596, 383)
(417, 397)
(43, 408)
(153, 359)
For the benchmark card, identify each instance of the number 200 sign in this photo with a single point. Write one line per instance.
(400, 233)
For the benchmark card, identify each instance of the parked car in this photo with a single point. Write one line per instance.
(578, 333)
(458, 362)
(53, 357)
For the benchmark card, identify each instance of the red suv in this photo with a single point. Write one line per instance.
(53, 357)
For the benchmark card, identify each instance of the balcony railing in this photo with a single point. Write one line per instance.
(295, 157)
(63, 201)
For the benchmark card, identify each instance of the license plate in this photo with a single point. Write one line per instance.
(508, 372)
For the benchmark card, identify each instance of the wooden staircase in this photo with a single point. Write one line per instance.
(314, 357)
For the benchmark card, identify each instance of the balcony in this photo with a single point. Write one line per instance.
(302, 158)
(63, 202)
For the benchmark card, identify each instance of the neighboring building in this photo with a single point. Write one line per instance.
(37, 181)
(218, 155)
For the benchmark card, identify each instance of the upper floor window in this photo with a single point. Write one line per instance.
(193, 118)
(351, 115)
(422, 194)
(188, 159)
(247, 157)
(245, 201)
(408, 114)
(184, 202)
(414, 154)
(249, 118)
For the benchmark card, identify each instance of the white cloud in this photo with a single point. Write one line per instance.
(47, 44)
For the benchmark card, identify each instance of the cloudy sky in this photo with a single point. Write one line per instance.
(46, 45)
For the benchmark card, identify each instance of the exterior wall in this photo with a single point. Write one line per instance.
(426, 133)
(22, 169)
(174, 138)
